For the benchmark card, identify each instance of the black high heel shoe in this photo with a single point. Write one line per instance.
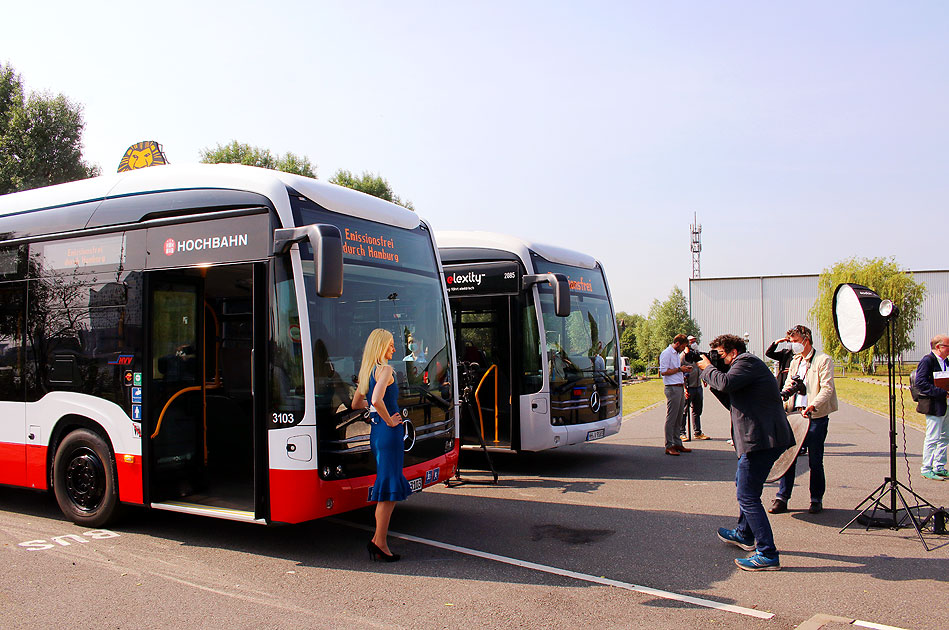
(377, 554)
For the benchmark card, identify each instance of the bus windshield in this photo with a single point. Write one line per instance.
(584, 343)
(404, 303)
(390, 281)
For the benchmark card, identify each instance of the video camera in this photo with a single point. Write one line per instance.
(694, 356)
(793, 387)
(468, 374)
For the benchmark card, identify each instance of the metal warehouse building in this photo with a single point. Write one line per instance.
(766, 306)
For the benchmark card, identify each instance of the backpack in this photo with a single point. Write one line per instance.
(913, 390)
(924, 404)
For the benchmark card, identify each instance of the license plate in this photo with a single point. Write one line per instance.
(416, 484)
(595, 435)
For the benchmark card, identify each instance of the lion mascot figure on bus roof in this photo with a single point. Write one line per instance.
(142, 155)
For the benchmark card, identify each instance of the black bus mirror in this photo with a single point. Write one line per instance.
(327, 245)
(561, 286)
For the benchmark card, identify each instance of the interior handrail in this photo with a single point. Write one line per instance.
(216, 384)
(478, 401)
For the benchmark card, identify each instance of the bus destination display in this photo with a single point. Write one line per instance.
(500, 278)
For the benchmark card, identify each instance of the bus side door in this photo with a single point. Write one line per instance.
(13, 430)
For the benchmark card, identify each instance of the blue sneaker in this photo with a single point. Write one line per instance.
(758, 562)
(731, 536)
(934, 476)
(942, 472)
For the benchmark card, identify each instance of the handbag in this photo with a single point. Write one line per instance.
(925, 405)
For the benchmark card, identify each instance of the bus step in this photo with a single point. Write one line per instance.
(207, 510)
(503, 448)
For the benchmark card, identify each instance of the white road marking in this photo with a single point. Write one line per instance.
(876, 626)
(706, 603)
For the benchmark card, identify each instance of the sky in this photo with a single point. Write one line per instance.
(799, 134)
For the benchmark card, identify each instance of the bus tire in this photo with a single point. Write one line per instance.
(84, 479)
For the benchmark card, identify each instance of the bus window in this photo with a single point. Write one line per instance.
(286, 370)
(532, 379)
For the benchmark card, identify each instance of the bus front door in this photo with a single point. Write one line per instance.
(483, 341)
(198, 387)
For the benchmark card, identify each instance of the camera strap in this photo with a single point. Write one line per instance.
(803, 375)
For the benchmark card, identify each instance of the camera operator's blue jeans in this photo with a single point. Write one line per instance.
(814, 441)
(753, 469)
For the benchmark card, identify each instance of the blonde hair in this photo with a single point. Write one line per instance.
(374, 354)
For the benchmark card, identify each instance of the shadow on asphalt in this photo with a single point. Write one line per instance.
(665, 549)
(610, 461)
(882, 567)
(574, 537)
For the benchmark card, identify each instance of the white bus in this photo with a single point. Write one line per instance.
(545, 379)
(188, 338)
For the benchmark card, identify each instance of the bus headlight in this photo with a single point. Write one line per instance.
(449, 444)
(326, 472)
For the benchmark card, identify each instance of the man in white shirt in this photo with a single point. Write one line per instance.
(671, 370)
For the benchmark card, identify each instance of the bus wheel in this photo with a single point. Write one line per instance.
(84, 479)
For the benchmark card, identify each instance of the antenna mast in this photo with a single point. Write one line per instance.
(696, 247)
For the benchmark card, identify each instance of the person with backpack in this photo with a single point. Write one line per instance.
(932, 403)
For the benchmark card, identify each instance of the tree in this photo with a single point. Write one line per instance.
(626, 324)
(884, 276)
(665, 321)
(40, 137)
(239, 153)
(370, 184)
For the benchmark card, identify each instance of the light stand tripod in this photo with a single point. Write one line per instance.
(467, 404)
(891, 487)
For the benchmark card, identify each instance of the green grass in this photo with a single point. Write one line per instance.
(876, 398)
(865, 395)
(641, 395)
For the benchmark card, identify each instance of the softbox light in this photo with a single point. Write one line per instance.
(857, 316)
(861, 318)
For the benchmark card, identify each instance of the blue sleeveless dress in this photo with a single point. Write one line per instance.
(387, 445)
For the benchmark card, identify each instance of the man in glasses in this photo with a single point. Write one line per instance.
(761, 432)
(937, 426)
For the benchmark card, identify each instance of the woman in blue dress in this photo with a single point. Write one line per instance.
(378, 390)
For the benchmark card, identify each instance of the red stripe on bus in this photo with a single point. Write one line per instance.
(12, 464)
(300, 495)
(294, 495)
(130, 478)
(36, 467)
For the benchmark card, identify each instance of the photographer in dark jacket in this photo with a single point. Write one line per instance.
(761, 432)
(937, 425)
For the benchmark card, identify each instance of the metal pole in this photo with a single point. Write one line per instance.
(891, 373)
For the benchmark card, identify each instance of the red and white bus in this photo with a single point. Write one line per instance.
(188, 338)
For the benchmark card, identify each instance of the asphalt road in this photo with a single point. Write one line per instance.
(618, 509)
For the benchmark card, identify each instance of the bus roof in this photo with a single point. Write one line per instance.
(515, 245)
(269, 183)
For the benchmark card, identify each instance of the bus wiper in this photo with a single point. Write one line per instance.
(351, 416)
(438, 400)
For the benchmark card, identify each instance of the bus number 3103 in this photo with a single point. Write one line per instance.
(283, 418)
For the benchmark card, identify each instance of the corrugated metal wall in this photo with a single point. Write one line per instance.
(766, 306)
(731, 305)
(935, 319)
